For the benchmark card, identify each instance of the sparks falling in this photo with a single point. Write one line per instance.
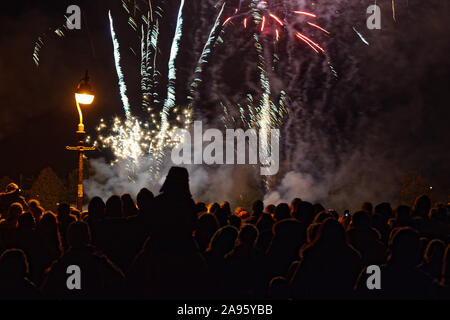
(272, 18)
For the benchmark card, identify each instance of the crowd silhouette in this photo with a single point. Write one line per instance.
(170, 247)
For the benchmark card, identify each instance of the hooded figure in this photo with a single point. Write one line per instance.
(174, 214)
(170, 265)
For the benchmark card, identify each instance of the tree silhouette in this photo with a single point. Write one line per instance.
(49, 189)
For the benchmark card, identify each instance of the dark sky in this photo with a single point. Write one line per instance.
(38, 116)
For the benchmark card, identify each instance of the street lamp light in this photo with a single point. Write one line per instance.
(83, 96)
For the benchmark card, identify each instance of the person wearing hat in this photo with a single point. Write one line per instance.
(12, 194)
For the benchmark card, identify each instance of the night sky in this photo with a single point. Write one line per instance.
(408, 87)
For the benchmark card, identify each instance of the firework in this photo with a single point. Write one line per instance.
(122, 85)
(273, 18)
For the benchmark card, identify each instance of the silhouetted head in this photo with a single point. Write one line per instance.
(446, 267)
(200, 207)
(384, 209)
(270, 209)
(14, 211)
(282, 212)
(405, 247)
(322, 216)
(26, 221)
(177, 182)
(225, 205)
(47, 228)
(128, 206)
(36, 210)
(13, 265)
(312, 232)
(294, 206)
(223, 240)
(12, 187)
(222, 216)
(235, 221)
(367, 206)
(144, 200)
(213, 207)
(206, 226)
(113, 207)
(317, 207)
(248, 235)
(403, 213)
(438, 213)
(331, 233)
(33, 204)
(279, 288)
(305, 212)
(257, 207)
(434, 253)
(78, 234)
(361, 220)
(422, 206)
(96, 208)
(63, 210)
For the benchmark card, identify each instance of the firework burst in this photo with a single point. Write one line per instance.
(273, 18)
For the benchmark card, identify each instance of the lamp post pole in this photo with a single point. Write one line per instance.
(83, 90)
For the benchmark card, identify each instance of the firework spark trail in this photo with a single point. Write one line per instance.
(39, 44)
(360, 36)
(122, 85)
(170, 99)
(205, 53)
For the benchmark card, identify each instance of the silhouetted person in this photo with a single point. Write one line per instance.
(222, 242)
(305, 213)
(368, 207)
(35, 208)
(26, 235)
(433, 258)
(400, 276)
(114, 207)
(235, 221)
(222, 215)
(270, 209)
(207, 225)
(295, 203)
(279, 289)
(213, 207)
(144, 201)
(402, 217)
(282, 212)
(264, 224)
(243, 265)
(366, 240)
(328, 266)
(8, 226)
(65, 218)
(129, 208)
(13, 194)
(170, 265)
(436, 227)
(14, 281)
(49, 246)
(445, 278)
(257, 211)
(422, 206)
(99, 277)
(288, 237)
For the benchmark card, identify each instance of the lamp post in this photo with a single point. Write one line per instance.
(83, 96)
